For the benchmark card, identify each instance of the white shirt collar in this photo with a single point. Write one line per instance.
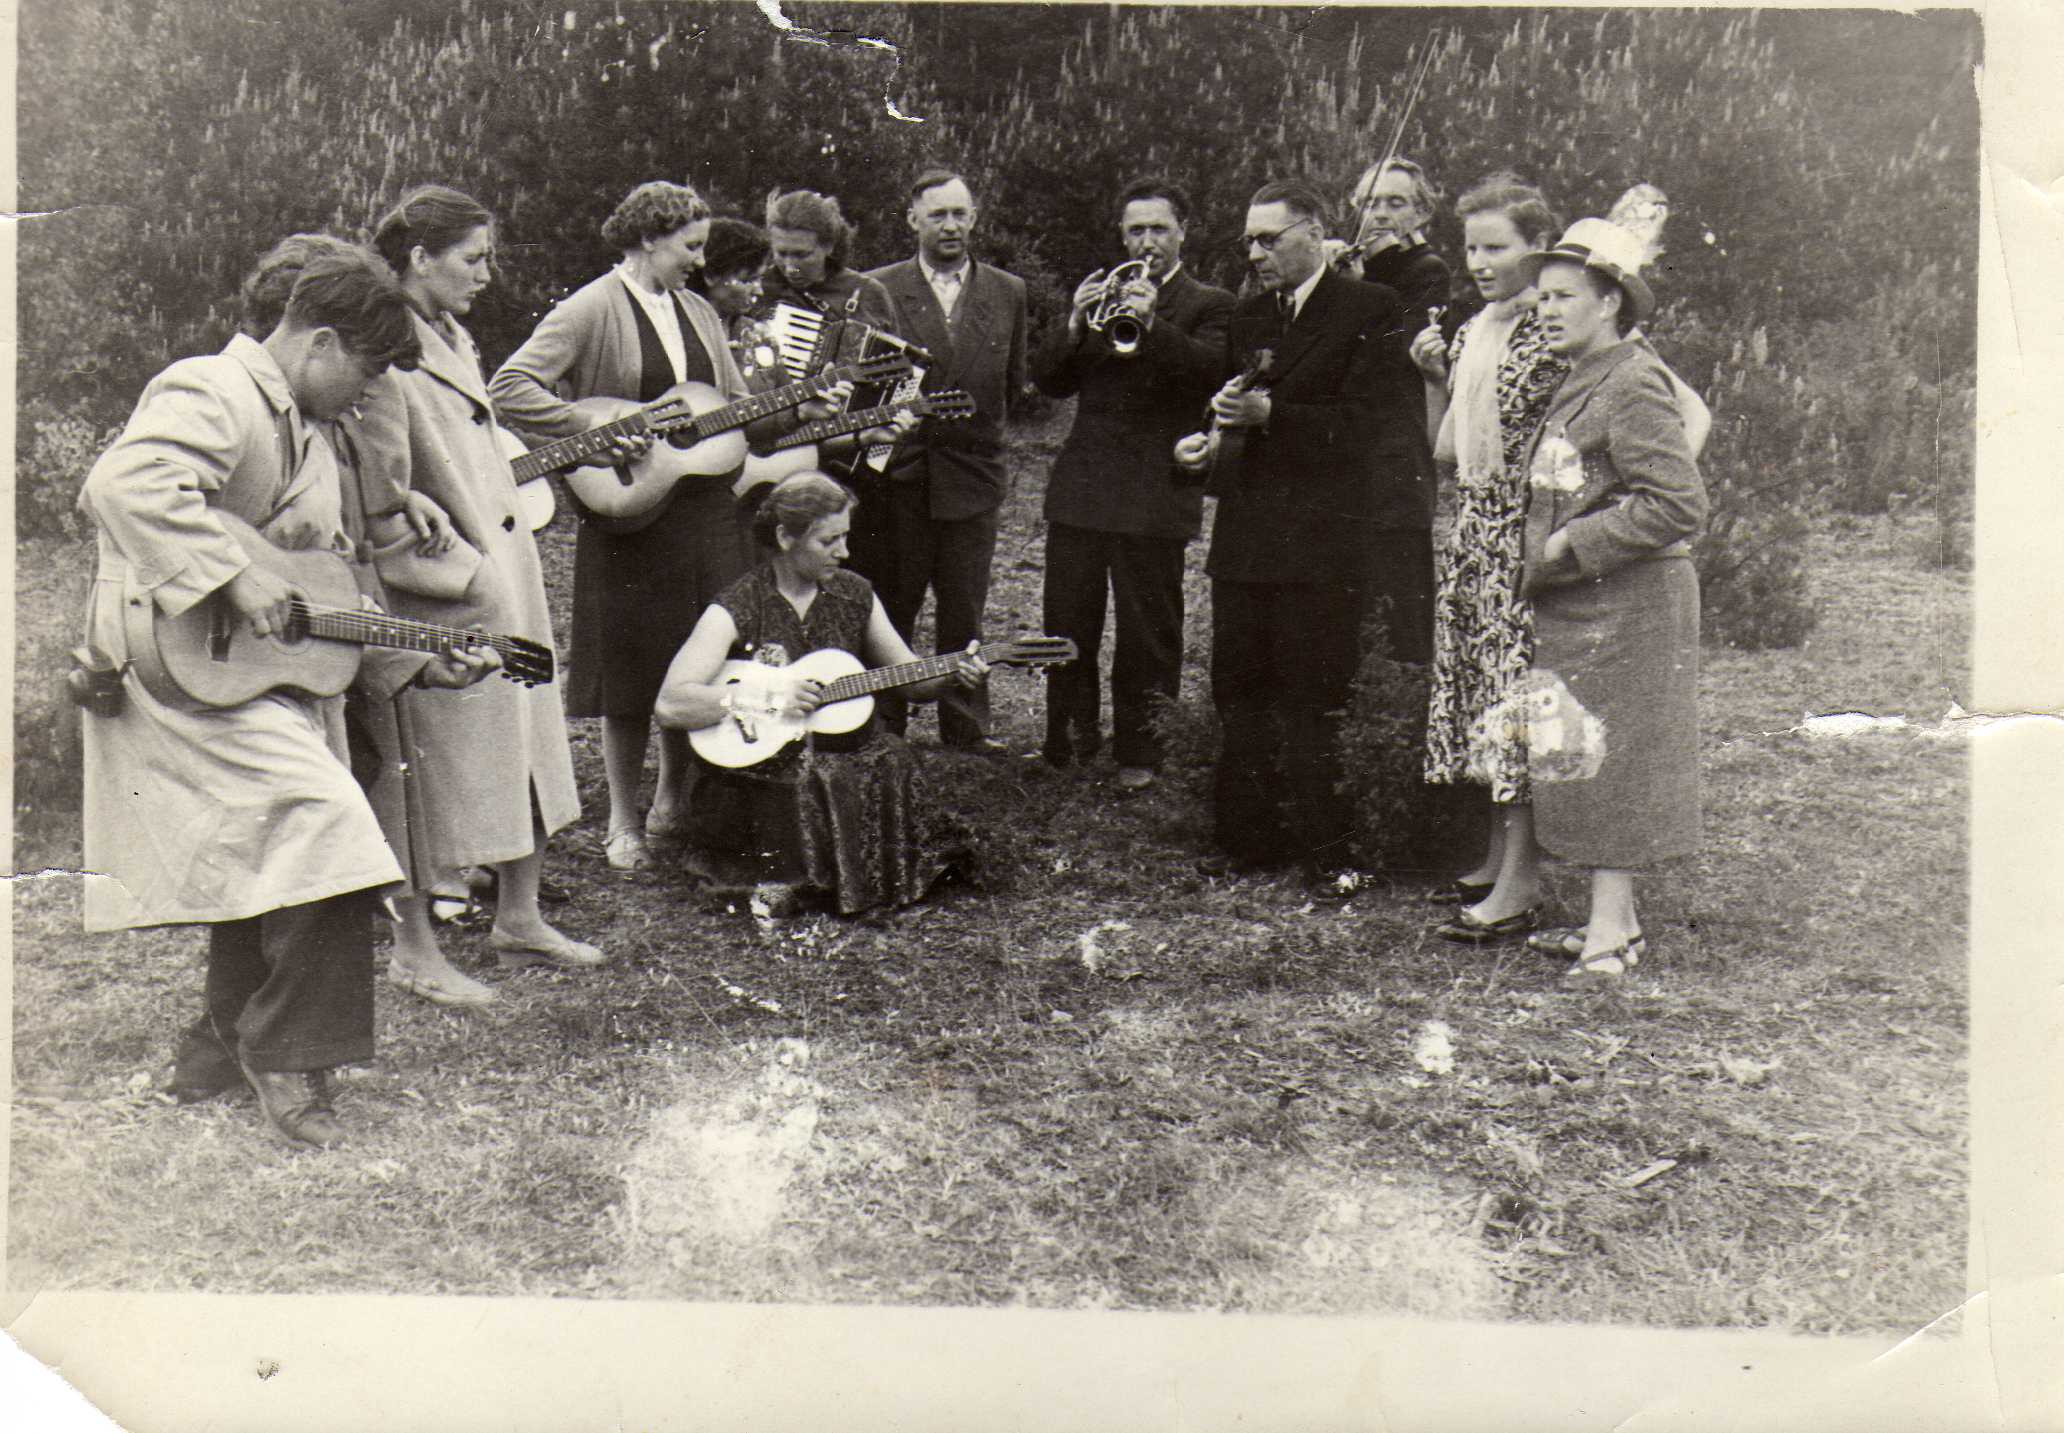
(1304, 289)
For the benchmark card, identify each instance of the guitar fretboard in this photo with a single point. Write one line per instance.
(568, 452)
(850, 422)
(377, 629)
(881, 679)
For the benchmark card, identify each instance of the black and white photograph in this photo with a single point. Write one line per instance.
(1024, 679)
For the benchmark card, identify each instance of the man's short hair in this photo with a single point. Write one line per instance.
(1301, 198)
(1153, 186)
(932, 178)
(352, 290)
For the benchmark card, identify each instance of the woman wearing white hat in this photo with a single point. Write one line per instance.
(1615, 497)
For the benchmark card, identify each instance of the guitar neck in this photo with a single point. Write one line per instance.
(774, 400)
(568, 452)
(841, 423)
(377, 629)
(883, 679)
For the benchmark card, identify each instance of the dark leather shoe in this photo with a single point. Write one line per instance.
(297, 1102)
(1224, 863)
(982, 746)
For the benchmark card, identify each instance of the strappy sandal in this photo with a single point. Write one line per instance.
(1469, 930)
(1607, 966)
(1561, 941)
(627, 851)
(1460, 893)
(433, 988)
(565, 953)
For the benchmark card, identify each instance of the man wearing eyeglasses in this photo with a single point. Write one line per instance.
(1319, 523)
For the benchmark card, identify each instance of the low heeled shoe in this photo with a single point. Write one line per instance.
(1469, 930)
(297, 1104)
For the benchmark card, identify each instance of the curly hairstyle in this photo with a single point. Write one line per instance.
(653, 210)
(734, 245)
(1506, 193)
(432, 216)
(262, 299)
(817, 213)
(796, 504)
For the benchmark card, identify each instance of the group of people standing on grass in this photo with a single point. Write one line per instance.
(353, 416)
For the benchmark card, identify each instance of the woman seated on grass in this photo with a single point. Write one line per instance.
(837, 814)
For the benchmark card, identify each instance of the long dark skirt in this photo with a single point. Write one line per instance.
(1612, 716)
(636, 596)
(853, 823)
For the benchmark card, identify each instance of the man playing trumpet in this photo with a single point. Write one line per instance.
(1141, 348)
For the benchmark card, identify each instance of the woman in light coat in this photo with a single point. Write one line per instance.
(487, 772)
(1615, 498)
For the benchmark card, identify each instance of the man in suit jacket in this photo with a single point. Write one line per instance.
(1118, 512)
(936, 531)
(1326, 515)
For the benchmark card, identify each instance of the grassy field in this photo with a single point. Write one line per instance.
(1099, 1080)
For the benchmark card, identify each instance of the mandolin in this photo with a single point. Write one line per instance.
(1228, 446)
(702, 439)
(763, 720)
(208, 656)
(797, 451)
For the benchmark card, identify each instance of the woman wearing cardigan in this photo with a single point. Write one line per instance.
(602, 353)
(1614, 500)
(487, 773)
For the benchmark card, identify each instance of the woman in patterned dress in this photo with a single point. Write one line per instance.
(841, 814)
(1486, 392)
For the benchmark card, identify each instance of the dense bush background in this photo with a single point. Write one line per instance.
(1818, 284)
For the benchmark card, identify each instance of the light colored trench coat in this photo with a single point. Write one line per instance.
(473, 761)
(223, 813)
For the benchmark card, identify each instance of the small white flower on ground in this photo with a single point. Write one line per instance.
(1434, 1051)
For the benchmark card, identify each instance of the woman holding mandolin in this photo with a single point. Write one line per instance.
(839, 815)
(621, 342)
(486, 773)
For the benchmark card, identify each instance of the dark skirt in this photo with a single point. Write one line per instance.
(853, 823)
(1612, 720)
(636, 596)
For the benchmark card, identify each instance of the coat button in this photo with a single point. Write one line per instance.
(509, 523)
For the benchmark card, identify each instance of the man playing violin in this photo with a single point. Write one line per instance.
(1119, 515)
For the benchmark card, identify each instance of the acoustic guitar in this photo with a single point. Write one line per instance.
(702, 439)
(763, 720)
(208, 656)
(797, 451)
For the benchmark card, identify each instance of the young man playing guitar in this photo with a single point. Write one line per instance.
(245, 818)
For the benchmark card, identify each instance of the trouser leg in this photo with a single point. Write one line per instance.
(1146, 667)
(1322, 625)
(1072, 606)
(293, 989)
(1246, 787)
(907, 557)
(960, 585)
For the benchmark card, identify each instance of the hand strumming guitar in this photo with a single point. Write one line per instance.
(263, 600)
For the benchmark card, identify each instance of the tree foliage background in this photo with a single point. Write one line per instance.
(1819, 283)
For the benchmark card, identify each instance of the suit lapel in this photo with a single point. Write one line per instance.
(975, 313)
(1306, 328)
(921, 311)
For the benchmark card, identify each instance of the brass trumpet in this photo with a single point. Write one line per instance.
(1114, 315)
